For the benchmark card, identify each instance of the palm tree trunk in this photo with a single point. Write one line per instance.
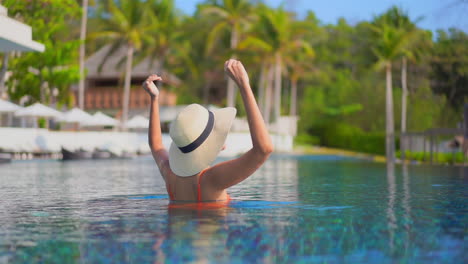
(390, 140)
(261, 88)
(268, 87)
(293, 107)
(84, 19)
(404, 96)
(3, 73)
(128, 77)
(277, 105)
(231, 89)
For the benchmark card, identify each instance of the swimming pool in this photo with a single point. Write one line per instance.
(307, 209)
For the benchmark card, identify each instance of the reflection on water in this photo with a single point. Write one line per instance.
(276, 180)
(294, 209)
(391, 203)
(406, 205)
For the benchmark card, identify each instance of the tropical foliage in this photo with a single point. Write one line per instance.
(231, 15)
(126, 25)
(46, 76)
(351, 85)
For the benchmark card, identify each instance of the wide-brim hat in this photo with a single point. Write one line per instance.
(198, 135)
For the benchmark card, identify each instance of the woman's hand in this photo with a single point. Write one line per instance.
(237, 72)
(150, 87)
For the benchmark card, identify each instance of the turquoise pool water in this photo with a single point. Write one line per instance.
(308, 209)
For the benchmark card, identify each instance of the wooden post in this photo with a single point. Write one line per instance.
(402, 146)
(465, 131)
(410, 144)
(424, 147)
(431, 149)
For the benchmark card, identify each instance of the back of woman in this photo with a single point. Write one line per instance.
(198, 136)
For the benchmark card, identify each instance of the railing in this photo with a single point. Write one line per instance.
(110, 97)
(433, 141)
(429, 140)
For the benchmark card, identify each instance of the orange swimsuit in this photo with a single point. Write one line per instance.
(199, 199)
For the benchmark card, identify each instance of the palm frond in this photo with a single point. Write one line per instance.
(112, 50)
(215, 10)
(256, 44)
(103, 35)
(214, 34)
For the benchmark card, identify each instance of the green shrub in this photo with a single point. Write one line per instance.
(41, 122)
(443, 158)
(459, 157)
(307, 139)
(344, 136)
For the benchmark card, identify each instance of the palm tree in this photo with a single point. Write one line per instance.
(233, 15)
(277, 36)
(159, 42)
(191, 58)
(400, 20)
(299, 64)
(84, 19)
(126, 24)
(260, 53)
(389, 44)
(402, 43)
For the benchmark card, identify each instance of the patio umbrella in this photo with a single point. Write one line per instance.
(100, 119)
(75, 115)
(38, 110)
(137, 122)
(7, 107)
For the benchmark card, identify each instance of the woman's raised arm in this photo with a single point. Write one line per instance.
(234, 171)
(160, 154)
(258, 132)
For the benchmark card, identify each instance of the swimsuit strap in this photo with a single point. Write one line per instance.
(199, 186)
(171, 195)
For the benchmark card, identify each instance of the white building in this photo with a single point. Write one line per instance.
(14, 36)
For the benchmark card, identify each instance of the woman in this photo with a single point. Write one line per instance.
(198, 136)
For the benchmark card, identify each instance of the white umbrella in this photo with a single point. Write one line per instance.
(6, 106)
(100, 119)
(76, 115)
(137, 122)
(9, 108)
(38, 110)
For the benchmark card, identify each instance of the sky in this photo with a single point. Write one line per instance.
(437, 14)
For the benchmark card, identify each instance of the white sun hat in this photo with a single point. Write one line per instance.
(198, 135)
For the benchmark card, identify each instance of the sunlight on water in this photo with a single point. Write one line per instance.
(293, 210)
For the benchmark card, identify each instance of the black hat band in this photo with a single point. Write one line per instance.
(204, 135)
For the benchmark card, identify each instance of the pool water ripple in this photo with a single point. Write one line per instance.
(293, 210)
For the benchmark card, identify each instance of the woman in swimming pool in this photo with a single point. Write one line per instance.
(198, 136)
